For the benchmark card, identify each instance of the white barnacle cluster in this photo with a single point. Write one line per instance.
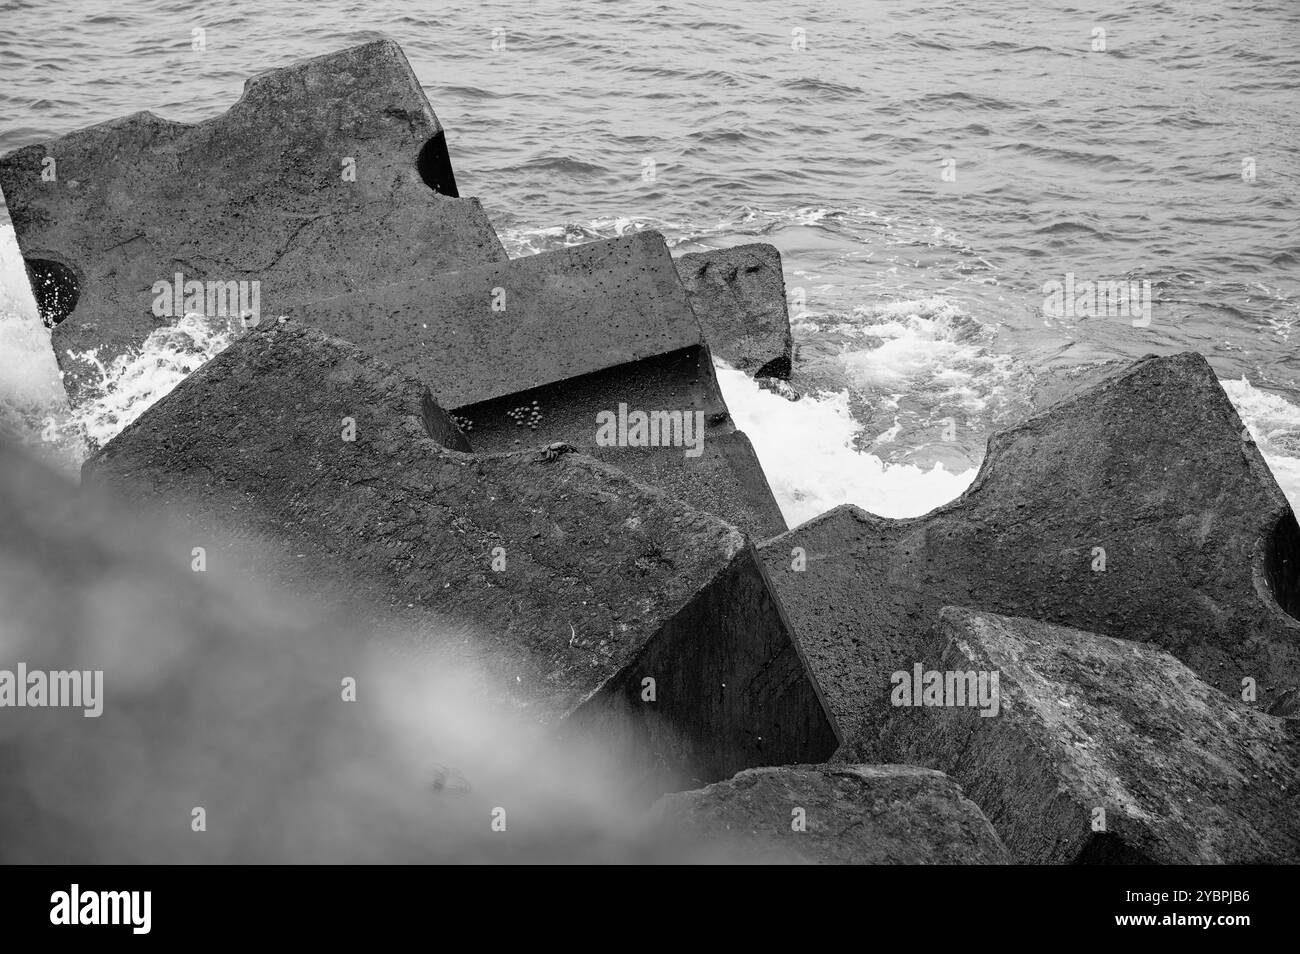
(526, 415)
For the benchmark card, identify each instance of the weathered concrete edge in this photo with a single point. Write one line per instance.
(1000, 440)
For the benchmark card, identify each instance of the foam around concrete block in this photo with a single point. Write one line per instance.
(1138, 508)
(579, 583)
(327, 175)
(1102, 750)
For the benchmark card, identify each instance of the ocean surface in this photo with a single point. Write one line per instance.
(925, 169)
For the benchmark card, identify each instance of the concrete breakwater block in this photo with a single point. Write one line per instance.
(1138, 508)
(1099, 750)
(739, 296)
(140, 698)
(592, 598)
(835, 814)
(327, 175)
(543, 348)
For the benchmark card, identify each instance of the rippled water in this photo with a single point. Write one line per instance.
(918, 295)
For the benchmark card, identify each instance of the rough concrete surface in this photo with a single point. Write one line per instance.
(738, 294)
(836, 814)
(1102, 750)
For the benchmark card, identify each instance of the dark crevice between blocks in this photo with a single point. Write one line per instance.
(442, 428)
(55, 287)
(1282, 564)
(434, 165)
(776, 368)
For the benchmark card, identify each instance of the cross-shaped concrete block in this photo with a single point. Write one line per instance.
(328, 175)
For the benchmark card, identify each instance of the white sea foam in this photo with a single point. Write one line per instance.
(807, 450)
(1274, 423)
(131, 383)
(928, 346)
(33, 406)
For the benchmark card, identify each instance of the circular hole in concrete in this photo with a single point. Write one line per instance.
(434, 166)
(55, 287)
(1282, 564)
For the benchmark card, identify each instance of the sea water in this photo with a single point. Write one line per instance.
(927, 170)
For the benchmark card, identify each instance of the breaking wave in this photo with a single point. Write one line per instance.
(132, 383)
(886, 377)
